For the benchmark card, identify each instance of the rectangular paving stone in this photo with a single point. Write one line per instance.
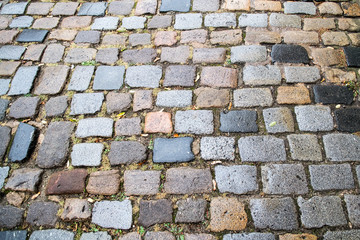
(53, 53)
(331, 177)
(114, 39)
(24, 179)
(252, 97)
(301, 74)
(54, 148)
(146, 6)
(138, 182)
(32, 35)
(226, 37)
(217, 148)
(353, 210)
(301, 37)
(160, 22)
(87, 154)
(178, 54)
(261, 75)
(209, 55)
(92, 9)
(5, 136)
(66, 182)
(104, 182)
(53, 233)
(118, 102)
(253, 20)
(219, 77)
(300, 8)
(65, 8)
(52, 79)
(314, 118)
(348, 119)
(4, 86)
(172, 150)
(13, 235)
(262, 149)
(14, 8)
(105, 23)
(352, 56)
(191, 211)
(123, 7)
(23, 80)
(284, 21)
(138, 39)
(304, 147)
(238, 179)
(298, 94)
(76, 209)
(275, 214)
(332, 94)
(348, 234)
(126, 152)
(133, 22)
(7, 36)
(143, 76)
(86, 103)
(188, 21)
(284, 179)
(107, 55)
(175, 5)
(186, 180)
(128, 126)
(282, 117)
(179, 75)
(11, 52)
(8, 68)
(34, 52)
(22, 143)
(145, 55)
(209, 97)
(56, 106)
(174, 98)
(40, 8)
(220, 20)
(94, 127)
(205, 6)
(251, 53)
(238, 121)
(24, 107)
(80, 78)
(112, 214)
(262, 36)
(194, 36)
(289, 54)
(318, 24)
(109, 77)
(88, 37)
(317, 212)
(342, 147)
(249, 236)
(194, 121)
(143, 99)
(76, 22)
(10, 217)
(21, 22)
(155, 212)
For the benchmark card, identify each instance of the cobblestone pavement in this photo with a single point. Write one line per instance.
(180, 119)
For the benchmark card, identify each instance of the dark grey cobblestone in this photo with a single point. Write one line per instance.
(24, 179)
(56, 106)
(10, 216)
(24, 107)
(22, 143)
(126, 152)
(172, 150)
(190, 210)
(42, 214)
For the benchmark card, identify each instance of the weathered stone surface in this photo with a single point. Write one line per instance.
(126, 152)
(253, 20)
(209, 55)
(7, 36)
(32, 35)
(42, 214)
(138, 39)
(46, 23)
(335, 38)
(352, 56)
(174, 98)
(194, 121)
(349, 234)
(304, 147)
(138, 182)
(24, 107)
(54, 148)
(34, 52)
(39, 8)
(13, 235)
(22, 143)
(261, 149)
(330, 8)
(160, 21)
(76, 209)
(155, 211)
(301, 74)
(250, 53)
(10, 216)
(178, 54)
(227, 214)
(65, 8)
(145, 6)
(318, 24)
(103, 235)
(327, 56)
(165, 235)
(52, 233)
(80, 78)
(4, 86)
(205, 6)
(237, 5)
(226, 37)
(238, 121)
(66, 182)
(190, 210)
(104, 182)
(87, 154)
(92, 9)
(56, 106)
(128, 126)
(257, 37)
(351, 9)
(217, 148)
(143, 76)
(301, 37)
(53, 53)
(105, 23)
(282, 117)
(10, 52)
(15, 198)
(14, 8)
(284, 21)
(133, 22)
(250, 236)
(121, 7)
(91, 127)
(304, 236)
(158, 122)
(24, 179)
(52, 80)
(199, 236)
(3, 175)
(194, 36)
(145, 55)
(331, 177)
(342, 147)
(109, 78)
(261, 75)
(298, 94)
(79, 55)
(321, 211)
(8, 68)
(174, 5)
(21, 22)
(209, 97)
(299, 8)
(179, 75)
(172, 150)
(284, 179)
(112, 214)
(220, 20)
(252, 97)
(314, 118)
(331, 94)
(276, 214)
(117, 102)
(348, 119)
(185, 180)
(289, 54)
(86, 103)
(353, 210)
(5, 135)
(238, 179)
(165, 38)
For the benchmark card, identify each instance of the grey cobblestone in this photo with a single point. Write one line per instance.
(284, 21)
(194, 121)
(112, 214)
(143, 76)
(249, 236)
(174, 98)
(220, 20)
(109, 77)
(253, 20)
(105, 23)
(86, 103)
(348, 235)
(188, 21)
(261, 75)
(278, 120)
(314, 118)
(252, 97)
(4, 171)
(302, 74)
(299, 7)
(52, 233)
(353, 209)
(133, 22)
(304, 147)
(251, 53)
(172, 150)
(14, 8)
(342, 147)
(217, 148)
(87, 154)
(10, 52)
(126, 152)
(238, 121)
(92, 127)
(81, 77)
(23, 80)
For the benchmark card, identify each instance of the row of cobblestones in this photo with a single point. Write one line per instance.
(179, 120)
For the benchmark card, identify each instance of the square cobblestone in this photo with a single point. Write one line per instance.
(217, 148)
(194, 121)
(92, 9)
(304, 147)
(14, 8)
(138, 182)
(179, 75)
(160, 22)
(88, 37)
(112, 214)
(138, 39)
(80, 78)
(128, 126)
(220, 20)
(52, 79)
(143, 76)
(24, 107)
(86, 103)
(23, 80)
(342, 147)
(238, 121)
(94, 127)
(349, 234)
(190, 210)
(42, 214)
(155, 212)
(117, 102)
(143, 100)
(56, 106)
(145, 55)
(170, 150)
(314, 118)
(109, 77)
(42, 8)
(253, 97)
(253, 20)
(353, 209)
(105, 23)
(34, 52)
(126, 152)
(261, 75)
(32, 35)
(121, 7)
(188, 21)
(238, 179)
(10, 52)
(65, 8)
(278, 120)
(158, 122)
(251, 53)
(219, 77)
(133, 22)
